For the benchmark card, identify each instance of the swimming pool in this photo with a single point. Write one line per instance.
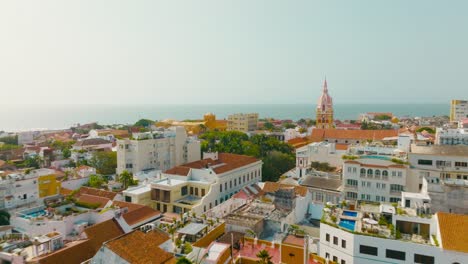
(350, 213)
(347, 224)
(375, 157)
(34, 214)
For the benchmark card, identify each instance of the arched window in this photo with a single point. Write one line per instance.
(363, 171)
(369, 172)
(384, 173)
(377, 172)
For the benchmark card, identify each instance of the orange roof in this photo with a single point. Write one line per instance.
(83, 167)
(92, 199)
(298, 142)
(80, 251)
(65, 191)
(97, 192)
(137, 213)
(225, 162)
(131, 248)
(271, 187)
(294, 240)
(319, 135)
(453, 231)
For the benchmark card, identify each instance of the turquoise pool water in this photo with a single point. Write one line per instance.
(34, 214)
(347, 224)
(350, 213)
(376, 157)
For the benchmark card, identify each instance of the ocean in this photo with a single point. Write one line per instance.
(19, 118)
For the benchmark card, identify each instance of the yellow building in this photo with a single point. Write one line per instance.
(324, 118)
(195, 127)
(48, 185)
(458, 110)
(242, 122)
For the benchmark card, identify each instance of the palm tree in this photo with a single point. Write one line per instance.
(171, 230)
(126, 178)
(251, 233)
(264, 257)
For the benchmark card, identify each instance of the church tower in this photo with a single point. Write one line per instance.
(324, 109)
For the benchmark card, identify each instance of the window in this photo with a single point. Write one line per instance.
(225, 186)
(369, 172)
(425, 162)
(396, 188)
(394, 199)
(352, 182)
(343, 243)
(184, 190)
(235, 182)
(343, 261)
(221, 187)
(395, 254)
(335, 258)
(327, 255)
(423, 259)
(327, 237)
(368, 197)
(128, 199)
(384, 185)
(335, 240)
(461, 164)
(351, 195)
(393, 173)
(363, 196)
(377, 198)
(377, 173)
(202, 192)
(377, 185)
(382, 198)
(196, 191)
(363, 171)
(230, 184)
(363, 184)
(368, 250)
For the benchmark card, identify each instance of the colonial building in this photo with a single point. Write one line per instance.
(458, 110)
(242, 122)
(324, 117)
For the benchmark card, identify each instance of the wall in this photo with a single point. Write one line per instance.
(211, 236)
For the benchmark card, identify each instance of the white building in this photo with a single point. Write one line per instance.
(451, 136)
(160, 150)
(203, 184)
(429, 240)
(374, 179)
(318, 152)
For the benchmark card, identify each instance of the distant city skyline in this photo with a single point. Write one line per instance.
(242, 52)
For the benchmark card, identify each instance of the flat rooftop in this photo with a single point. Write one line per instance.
(138, 190)
(445, 150)
(169, 182)
(192, 229)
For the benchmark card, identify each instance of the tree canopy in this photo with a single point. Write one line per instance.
(11, 140)
(96, 181)
(278, 157)
(144, 122)
(126, 178)
(4, 218)
(105, 162)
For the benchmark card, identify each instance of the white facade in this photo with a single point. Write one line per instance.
(242, 122)
(25, 137)
(451, 136)
(355, 244)
(156, 150)
(319, 152)
(375, 180)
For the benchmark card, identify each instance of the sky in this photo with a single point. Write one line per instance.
(232, 52)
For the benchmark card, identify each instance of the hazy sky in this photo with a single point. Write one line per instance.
(243, 51)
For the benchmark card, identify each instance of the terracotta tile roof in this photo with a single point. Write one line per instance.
(65, 191)
(294, 240)
(137, 213)
(319, 135)
(131, 248)
(83, 167)
(271, 187)
(453, 231)
(80, 251)
(225, 162)
(298, 142)
(92, 199)
(97, 192)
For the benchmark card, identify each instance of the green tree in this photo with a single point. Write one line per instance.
(96, 180)
(105, 162)
(289, 125)
(428, 129)
(66, 153)
(184, 260)
(275, 164)
(11, 140)
(4, 218)
(264, 257)
(126, 178)
(268, 126)
(144, 122)
(32, 162)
